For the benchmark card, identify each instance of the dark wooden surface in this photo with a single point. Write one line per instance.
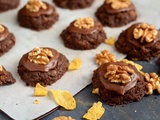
(146, 109)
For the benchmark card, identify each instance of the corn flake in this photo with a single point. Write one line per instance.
(95, 112)
(139, 67)
(95, 91)
(40, 90)
(36, 102)
(63, 118)
(75, 64)
(64, 99)
(110, 41)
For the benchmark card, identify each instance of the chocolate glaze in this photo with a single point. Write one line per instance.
(30, 66)
(110, 10)
(118, 87)
(4, 34)
(24, 11)
(136, 42)
(97, 27)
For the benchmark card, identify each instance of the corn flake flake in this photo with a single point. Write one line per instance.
(95, 112)
(40, 90)
(64, 99)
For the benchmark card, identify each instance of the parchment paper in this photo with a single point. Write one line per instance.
(17, 99)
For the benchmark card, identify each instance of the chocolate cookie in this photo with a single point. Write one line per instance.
(116, 13)
(83, 34)
(8, 4)
(73, 4)
(37, 15)
(118, 83)
(6, 77)
(140, 41)
(42, 65)
(7, 40)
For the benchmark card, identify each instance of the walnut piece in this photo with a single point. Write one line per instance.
(35, 5)
(1, 68)
(104, 57)
(145, 32)
(40, 55)
(119, 4)
(153, 82)
(118, 74)
(1, 28)
(84, 23)
(63, 118)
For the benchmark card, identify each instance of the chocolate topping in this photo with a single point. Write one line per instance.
(118, 87)
(30, 66)
(108, 9)
(4, 34)
(73, 29)
(24, 11)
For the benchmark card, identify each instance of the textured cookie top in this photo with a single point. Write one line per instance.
(35, 5)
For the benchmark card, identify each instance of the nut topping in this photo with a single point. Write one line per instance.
(153, 82)
(1, 28)
(105, 57)
(35, 5)
(145, 32)
(118, 74)
(119, 4)
(40, 55)
(84, 23)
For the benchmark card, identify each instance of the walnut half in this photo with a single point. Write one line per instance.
(84, 23)
(1, 28)
(40, 55)
(145, 32)
(119, 74)
(119, 4)
(153, 82)
(104, 57)
(35, 5)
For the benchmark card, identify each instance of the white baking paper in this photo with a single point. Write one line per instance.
(17, 99)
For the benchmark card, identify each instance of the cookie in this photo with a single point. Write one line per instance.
(5, 77)
(73, 4)
(141, 41)
(118, 83)
(37, 15)
(42, 65)
(8, 4)
(7, 40)
(83, 34)
(116, 13)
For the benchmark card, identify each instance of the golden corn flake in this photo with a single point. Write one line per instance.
(40, 90)
(64, 99)
(95, 91)
(75, 64)
(36, 102)
(110, 41)
(63, 118)
(95, 112)
(139, 67)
